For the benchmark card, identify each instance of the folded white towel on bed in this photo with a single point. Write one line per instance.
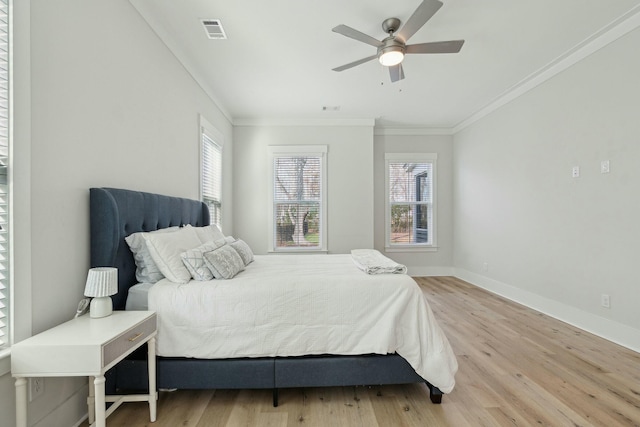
(373, 262)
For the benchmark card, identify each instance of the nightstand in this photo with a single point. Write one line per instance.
(87, 347)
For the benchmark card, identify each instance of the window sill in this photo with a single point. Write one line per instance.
(5, 361)
(411, 249)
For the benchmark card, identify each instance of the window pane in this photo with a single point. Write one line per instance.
(297, 178)
(409, 223)
(212, 177)
(404, 179)
(297, 225)
(297, 197)
(410, 202)
(4, 175)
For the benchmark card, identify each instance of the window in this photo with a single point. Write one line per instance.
(298, 195)
(5, 153)
(410, 207)
(211, 171)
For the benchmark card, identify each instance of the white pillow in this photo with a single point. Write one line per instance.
(224, 262)
(243, 250)
(209, 233)
(146, 269)
(166, 248)
(193, 259)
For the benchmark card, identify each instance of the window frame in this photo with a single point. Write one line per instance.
(431, 245)
(298, 151)
(217, 140)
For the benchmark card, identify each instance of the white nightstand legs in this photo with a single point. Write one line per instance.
(98, 387)
(91, 401)
(153, 395)
(21, 402)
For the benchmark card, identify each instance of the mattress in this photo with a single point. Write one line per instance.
(138, 297)
(293, 305)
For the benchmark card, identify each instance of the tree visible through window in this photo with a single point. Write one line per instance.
(410, 201)
(298, 200)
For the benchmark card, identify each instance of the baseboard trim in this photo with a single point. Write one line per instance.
(421, 271)
(610, 330)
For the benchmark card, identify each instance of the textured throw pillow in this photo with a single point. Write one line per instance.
(146, 269)
(224, 262)
(209, 233)
(166, 248)
(243, 250)
(193, 259)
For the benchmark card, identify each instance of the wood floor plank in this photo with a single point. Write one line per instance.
(517, 367)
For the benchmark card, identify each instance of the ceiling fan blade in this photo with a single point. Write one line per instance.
(451, 46)
(396, 73)
(354, 63)
(422, 14)
(356, 35)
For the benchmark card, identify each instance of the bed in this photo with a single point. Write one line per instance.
(118, 213)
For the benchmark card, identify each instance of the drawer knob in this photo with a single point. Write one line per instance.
(135, 337)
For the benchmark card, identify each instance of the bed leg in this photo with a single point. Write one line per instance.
(434, 394)
(275, 397)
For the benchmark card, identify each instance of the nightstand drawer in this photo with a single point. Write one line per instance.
(128, 340)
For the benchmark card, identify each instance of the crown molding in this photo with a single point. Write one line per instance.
(304, 122)
(411, 131)
(601, 38)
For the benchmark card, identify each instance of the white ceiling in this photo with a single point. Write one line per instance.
(277, 61)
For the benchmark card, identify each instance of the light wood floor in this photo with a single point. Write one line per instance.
(517, 368)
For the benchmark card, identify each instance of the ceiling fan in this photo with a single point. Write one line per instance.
(391, 50)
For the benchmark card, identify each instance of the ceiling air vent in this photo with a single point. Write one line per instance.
(214, 29)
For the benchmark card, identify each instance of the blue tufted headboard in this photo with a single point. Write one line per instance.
(116, 213)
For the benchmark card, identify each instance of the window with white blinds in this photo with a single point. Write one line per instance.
(4, 173)
(410, 180)
(298, 198)
(211, 175)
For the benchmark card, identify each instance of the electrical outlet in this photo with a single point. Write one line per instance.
(36, 388)
(605, 301)
(575, 172)
(604, 166)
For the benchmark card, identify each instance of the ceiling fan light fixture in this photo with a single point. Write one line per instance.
(390, 56)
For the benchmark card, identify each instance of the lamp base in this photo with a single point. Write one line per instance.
(100, 307)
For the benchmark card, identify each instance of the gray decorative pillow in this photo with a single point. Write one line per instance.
(224, 262)
(193, 259)
(243, 250)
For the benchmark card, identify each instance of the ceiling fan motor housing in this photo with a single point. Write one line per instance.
(390, 44)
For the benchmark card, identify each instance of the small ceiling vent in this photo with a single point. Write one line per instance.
(214, 30)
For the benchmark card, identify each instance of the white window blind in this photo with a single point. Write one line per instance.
(298, 201)
(4, 169)
(211, 180)
(410, 201)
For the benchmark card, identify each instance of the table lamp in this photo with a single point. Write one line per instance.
(102, 282)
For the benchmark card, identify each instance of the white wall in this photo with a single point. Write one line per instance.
(350, 182)
(419, 263)
(550, 240)
(110, 106)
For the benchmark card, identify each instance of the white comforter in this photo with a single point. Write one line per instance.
(292, 305)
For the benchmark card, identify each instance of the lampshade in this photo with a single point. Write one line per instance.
(391, 55)
(102, 282)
